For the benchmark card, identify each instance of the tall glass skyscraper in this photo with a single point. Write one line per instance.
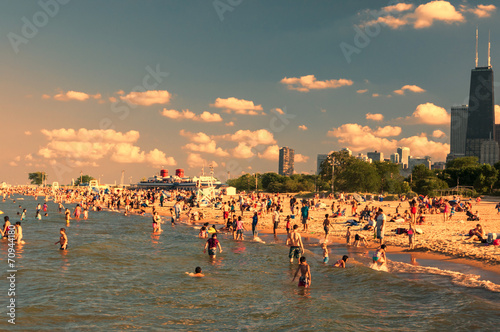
(481, 119)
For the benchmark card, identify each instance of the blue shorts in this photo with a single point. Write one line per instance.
(295, 252)
(380, 234)
(325, 259)
(212, 251)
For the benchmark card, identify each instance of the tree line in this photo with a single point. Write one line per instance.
(354, 175)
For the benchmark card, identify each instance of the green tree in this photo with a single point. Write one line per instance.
(37, 178)
(360, 176)
(84, 179)
(426, 181)
(270, 177)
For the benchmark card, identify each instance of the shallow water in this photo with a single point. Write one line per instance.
(116, 275)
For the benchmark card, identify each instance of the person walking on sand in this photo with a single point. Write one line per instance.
(304, 212)
(326, 226)
(212, 245)
(276, 220)
(380, 225)
(294, 240)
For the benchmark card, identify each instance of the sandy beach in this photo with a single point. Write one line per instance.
(439, 237)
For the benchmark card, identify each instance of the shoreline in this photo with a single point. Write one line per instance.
(418, 253)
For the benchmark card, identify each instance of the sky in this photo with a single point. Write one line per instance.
(105, 87)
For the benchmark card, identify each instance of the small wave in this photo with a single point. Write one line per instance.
(457, 278)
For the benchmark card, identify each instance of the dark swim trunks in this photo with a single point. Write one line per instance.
(212, 251)
(63, 248)
(303, 282)
(295, 252)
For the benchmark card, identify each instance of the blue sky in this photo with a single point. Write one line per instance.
(78, 95)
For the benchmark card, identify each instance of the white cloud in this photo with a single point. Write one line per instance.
(194, 160)
(18, 158)
(400, 7)
(85, 146)
(309, 82)
(12, 163)
(250, 138)
(481, 10)
(424, 16)
(146, 98)
(279, 111)
(72, 95)
(210, 147)
(199, 137)
(187, 114)
(438, 134)
(87, 135)
(210, 117)
(239, 106)
(374, 117)
(158, 158)
(270, 153)
(242, 151)
(375, 95)
(412, 88)
(229, 124)
(387, 131)
(300, 158)
(362, 91)
(28, 157)
(27, 133)
(303, 127)
(359, 138)
(430, 114)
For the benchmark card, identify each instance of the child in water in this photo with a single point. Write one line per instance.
(341, 262)
(197, 273)
(379, 257)
(305, 271)
(325, 253)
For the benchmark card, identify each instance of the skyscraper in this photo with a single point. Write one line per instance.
(375, 156)
(286, 161)
(395, 158)
(404, 154)
(319, 160)
(481, 115)
(458, 130)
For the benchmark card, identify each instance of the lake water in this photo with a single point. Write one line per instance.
(116, 275)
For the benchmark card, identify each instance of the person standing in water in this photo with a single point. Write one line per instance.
(63, 239)
(379, 257)
(294, 240)
(305, 273)
(255, 220)
(212, 245)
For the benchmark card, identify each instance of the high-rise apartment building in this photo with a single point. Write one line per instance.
(286, 161)
(404, 154)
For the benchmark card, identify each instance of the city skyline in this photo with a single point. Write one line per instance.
(136, 88)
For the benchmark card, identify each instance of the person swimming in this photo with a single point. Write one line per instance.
(341, 262)
(197, 273)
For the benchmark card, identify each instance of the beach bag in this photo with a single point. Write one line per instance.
(401, 231)
(492, 237)
(419, 231)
